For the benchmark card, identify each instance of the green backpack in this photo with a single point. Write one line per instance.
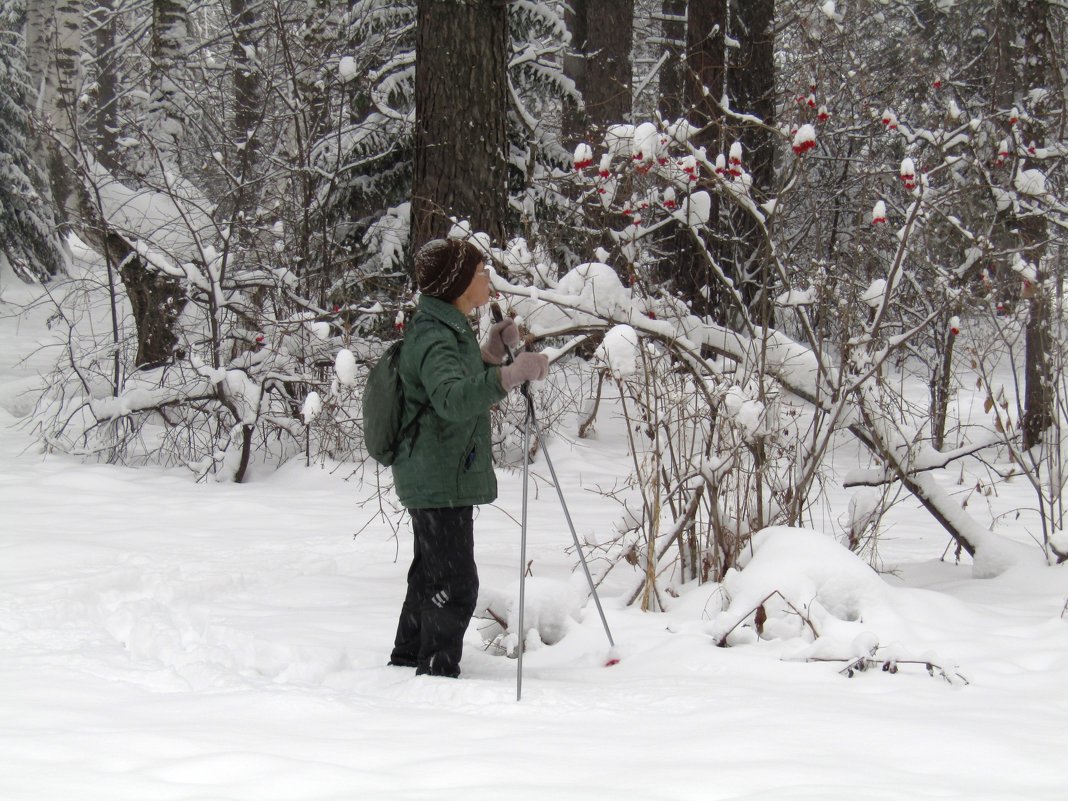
(383, 407)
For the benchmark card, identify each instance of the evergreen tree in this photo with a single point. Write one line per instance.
(27, 227)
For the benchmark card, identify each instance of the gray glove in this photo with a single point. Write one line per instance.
(502, 336)
(526, 367)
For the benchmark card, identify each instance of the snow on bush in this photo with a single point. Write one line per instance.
(313, 405)
(347, 69)
(804, 139)
(619, 351)
(1031, 182)
(875, 293)
(747, 413)
(345, 367)
(592, 285)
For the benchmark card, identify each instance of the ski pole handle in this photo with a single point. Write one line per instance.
(524, 389)
(498, 317)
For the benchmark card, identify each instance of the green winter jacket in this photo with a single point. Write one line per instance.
(445, 459)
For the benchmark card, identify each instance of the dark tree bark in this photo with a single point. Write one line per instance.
(751, 88)
(1022, 53)
(599, 63)
(672, 73)
(704, 84)
(461, 105)
(744, 73)
(155, 301)
(1038, 372)
(248, 101)
(105, 114)
(706, 67)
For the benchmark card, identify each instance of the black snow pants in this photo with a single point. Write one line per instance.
(442, 591)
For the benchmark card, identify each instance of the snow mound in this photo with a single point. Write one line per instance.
(822, 602)
(809, 570)
(550, 607)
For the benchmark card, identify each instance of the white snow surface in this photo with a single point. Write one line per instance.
(166, 640)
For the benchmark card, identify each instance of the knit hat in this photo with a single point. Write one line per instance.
(444, 267)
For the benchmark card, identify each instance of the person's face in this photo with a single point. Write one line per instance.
(477, 292)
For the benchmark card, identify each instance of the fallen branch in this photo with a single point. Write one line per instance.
(928, 460)
(862, 664)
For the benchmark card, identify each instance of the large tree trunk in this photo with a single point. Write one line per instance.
(599, 64)
(461, 105)
(704, 85)
(1038, 374)
(672, 73)
(751, 83)
(155, 301)
(1022, 65)
(248, 107)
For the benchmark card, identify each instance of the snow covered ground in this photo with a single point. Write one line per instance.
(161, 639)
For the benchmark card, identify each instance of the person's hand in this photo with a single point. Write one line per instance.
(526, 367)
(502, 336)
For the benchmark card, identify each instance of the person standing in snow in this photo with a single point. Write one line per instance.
(444, 468)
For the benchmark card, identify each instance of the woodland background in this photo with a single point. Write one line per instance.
(767, 226)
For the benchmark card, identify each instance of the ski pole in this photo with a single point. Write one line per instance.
(531, 419)
(523, 541)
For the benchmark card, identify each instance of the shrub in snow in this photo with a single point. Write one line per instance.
(802, 587)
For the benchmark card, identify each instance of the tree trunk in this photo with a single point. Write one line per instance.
(53, 46)
(155, 301)
(672, 73)
(248, 109)
(751, 85)
(106, 113)
(599, 64)
(704, 85)
(461, 106)
(1023, 65)
(1038, 372)
(170, 34)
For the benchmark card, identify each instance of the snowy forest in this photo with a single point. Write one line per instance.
(781, 214)
(800, 262)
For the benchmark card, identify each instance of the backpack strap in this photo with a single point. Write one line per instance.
(414, 422)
